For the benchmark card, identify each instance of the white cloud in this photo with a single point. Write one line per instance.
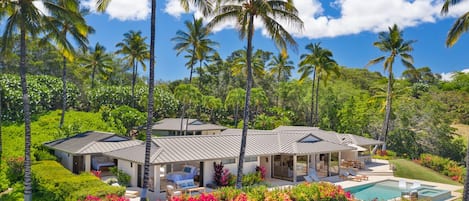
(449, 76)
(124, 9)
(355, 16)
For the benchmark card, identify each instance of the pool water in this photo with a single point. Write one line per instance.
(383, 190)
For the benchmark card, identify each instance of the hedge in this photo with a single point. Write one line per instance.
(51, 181)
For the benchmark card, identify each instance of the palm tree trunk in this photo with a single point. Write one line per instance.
(64, 93)
(27, 118)
(151, 85)
(182, 117)
(311, 116)
(244, 135)
(134, 78)
(92, 76)
(316, 116)
(387, 117)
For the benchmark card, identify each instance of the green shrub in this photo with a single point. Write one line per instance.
(4, 182)
(251, 179)
(15, 169)
(444, 166)
(43, 155)
(51, 181)
(122, 178)
(256, 193)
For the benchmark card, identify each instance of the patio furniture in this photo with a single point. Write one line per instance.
(415, 185)
(172, 192)
(312, 174)
(344, 175)
(308, 179)
(185, 184)
(353, 173)
(196, 189)
(188, 172)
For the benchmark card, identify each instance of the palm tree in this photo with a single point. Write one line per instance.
(205, 7)
(318, 61)
(393, 43)
(195, 42)
(135, 51)
(98, 61)
(281, 67)
(239, 65)
(23, 16)
(266, 11)
(459, 27)
(72, 24)
(235, 99)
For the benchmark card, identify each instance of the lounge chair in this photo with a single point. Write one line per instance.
(353, 173)
(415, 185)
(402, 184)
(345, 175)
(308, 179)
(312, 174)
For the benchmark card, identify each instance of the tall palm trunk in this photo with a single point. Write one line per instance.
(387, 116)
(311, 116)
(134, 80)
(244, 135)
(151, 86)
(92, 76)
(27, 118)
(184, 104)
(64, 92)
(316, 116)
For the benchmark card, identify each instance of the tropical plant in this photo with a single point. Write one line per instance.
(281, 66)
(212, 103)
(320, 63)
(64, 25)
(24, 17)
(459, 27)
(187, 95)
(135, 51)
(267, 12)
(195, 42)
(392, 42)
(235, 99)
(98, 61)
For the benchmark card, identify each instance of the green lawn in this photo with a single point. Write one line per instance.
(411, 170)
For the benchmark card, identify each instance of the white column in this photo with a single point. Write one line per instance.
(87, 163)
(156, 179)
(294, 168)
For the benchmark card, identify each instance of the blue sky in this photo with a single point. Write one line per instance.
(347, 27)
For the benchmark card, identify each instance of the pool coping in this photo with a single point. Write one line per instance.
(374, 179)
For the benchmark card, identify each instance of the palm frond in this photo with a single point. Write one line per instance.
(459, 27)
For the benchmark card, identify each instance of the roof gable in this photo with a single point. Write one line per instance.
(310, 139)
(114, 138)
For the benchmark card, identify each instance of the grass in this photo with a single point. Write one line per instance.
(411, 170)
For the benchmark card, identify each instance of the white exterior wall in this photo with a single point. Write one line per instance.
(266, 162)
(129, 168)
(349, 155)
(209, 171)
(66, 159)
(87, 161)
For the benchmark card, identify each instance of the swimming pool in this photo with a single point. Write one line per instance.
(389, 189)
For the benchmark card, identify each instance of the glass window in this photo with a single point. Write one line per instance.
(228, 161)
(250, 159)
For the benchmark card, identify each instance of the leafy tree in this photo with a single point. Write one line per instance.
(187, 95)
(125, 118)
(65, 25)
(244, 13)
(235, 99)
(258, 99)
(422, 75)
(394, 43)
(212, 103)
(98, 61)
(135, 51)
(459, 27)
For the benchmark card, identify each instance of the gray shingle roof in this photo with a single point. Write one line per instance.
(91, 142)
(362, 141)
(174, 124)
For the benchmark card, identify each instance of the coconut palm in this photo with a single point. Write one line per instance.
(459, 27)
(392, 42)
(24, 17)
(281, 66)
(318, 62)
(195, 42)
(135, 51)
(98, 61)
(267, 12)
(239, 65)
(72, 24)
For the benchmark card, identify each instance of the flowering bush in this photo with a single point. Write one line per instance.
(96, 173)
(107, 198)
(262, 171)
(444, 166)
(222, 176)
(15, 170)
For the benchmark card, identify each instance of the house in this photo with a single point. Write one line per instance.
(287, 153)
(172, 127)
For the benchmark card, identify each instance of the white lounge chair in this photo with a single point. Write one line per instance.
(308, 179)
(402, 184)
(415, 185)
(313, 175)
(354, 173)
